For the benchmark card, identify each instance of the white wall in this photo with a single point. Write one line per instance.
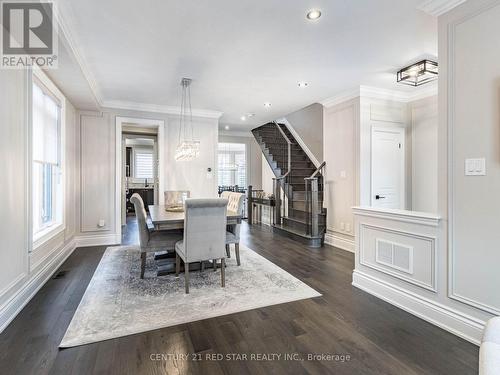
(463, 239)
(469, 124)
(97, 177)
(267, 177)
(23, 273)
(424, 144)
(341, 127)
(308, 123)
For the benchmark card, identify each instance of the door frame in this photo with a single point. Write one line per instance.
(401, 130)
(139, 122)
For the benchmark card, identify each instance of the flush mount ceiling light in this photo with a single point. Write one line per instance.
(313, 14)
(250, 115)
(226, 127)
(243, 118)
(267, 104)
(420, 73)
(303, 84)
(187, 148)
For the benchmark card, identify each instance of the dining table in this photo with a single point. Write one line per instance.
(165, 220)
(161, 219)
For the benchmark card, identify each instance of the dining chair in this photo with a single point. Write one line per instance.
(204, 235)
(151, 240)
(175, 197)
(235, 204)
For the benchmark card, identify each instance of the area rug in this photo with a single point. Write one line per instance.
(118, 303)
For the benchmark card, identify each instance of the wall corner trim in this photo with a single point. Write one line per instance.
(438, 7)
(10, 309)
(98, 240)
(157, 108)
(462, 325)
(332, 239)
(428, 90)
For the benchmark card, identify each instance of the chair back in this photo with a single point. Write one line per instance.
(235, 203)
(205, 229)
(176, 197)
(140, 214)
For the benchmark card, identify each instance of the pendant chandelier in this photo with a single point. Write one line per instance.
(187, 148)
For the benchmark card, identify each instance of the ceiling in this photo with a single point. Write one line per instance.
(239, 54)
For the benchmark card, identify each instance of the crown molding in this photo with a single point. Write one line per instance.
(68, 37)
(235, 133)
(167, 109)
(64, 23)
(425, 91)
(341, 98)
(438, 7)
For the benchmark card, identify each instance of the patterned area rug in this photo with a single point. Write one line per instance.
(118, 303)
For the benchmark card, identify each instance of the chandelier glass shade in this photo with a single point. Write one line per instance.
(187, 148)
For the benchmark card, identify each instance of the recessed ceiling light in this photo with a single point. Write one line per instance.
(303, 84)
(226, 127)
(250, 115)
(267, 104)
(243, 118)
(313, 14)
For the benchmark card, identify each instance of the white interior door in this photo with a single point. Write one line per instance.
(388, 167)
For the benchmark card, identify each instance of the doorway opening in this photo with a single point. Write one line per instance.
(139, 164)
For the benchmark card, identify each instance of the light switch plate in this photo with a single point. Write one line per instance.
(475, 167)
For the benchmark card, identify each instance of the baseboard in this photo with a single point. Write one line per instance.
(98, 240)
(16, 303)
(456, 322)
(340, 242)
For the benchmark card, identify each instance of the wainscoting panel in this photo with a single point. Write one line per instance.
(410, 257)
(97, 173)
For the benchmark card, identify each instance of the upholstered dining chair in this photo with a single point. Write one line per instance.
(149, 239)
(204, 235)
(236, 203)
(175, 197)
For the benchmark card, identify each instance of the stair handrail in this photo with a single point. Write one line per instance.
(311, 202)
(321, 166)
(289, 166)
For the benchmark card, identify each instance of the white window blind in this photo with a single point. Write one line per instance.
(232, 164)
(45, 127)
(144, 167)
(46, 171)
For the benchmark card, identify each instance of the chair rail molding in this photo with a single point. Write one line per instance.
(414, 217)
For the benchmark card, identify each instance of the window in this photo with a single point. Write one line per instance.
(232, 164)
(144, 163)
(46, 170)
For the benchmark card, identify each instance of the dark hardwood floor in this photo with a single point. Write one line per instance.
(378, 337)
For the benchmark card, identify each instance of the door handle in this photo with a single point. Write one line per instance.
(379, 197)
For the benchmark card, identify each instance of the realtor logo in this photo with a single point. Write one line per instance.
(28, 35)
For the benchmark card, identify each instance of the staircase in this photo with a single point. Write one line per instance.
(299, 211)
